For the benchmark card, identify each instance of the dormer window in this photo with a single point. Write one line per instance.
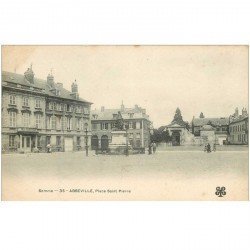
(114, 116)
(58, 92)
(131, 115)
(86, 110)
(54, 105)
(26, 101)
(68, 107)
(12, 99)
(38, 103)
(94, 116)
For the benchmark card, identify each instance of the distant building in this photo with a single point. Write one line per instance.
(103, 122)
(179, 130)
(207, 134)
(212, 130)
(238, 127)
(38, 112)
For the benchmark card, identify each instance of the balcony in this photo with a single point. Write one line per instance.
(26, 130)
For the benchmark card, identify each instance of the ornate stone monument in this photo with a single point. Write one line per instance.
(119, 142)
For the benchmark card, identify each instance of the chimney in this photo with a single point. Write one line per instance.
(74, 87)
(50, 80)
(244, 112)
(59, 85)
(236, 114)
(29, 75)
(102, 108)
(136, 106)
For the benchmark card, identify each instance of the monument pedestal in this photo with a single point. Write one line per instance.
(119, 143)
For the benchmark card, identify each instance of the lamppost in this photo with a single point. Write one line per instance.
(86, 142)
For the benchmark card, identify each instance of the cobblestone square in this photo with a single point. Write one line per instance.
(175, 174)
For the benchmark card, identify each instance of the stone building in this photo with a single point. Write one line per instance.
(180, 135)
(203, 128)
(178, 130)
(207, 134)
(103, 123)
(38, 112)
(238, 127)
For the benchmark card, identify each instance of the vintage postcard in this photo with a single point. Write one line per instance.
(124, 123)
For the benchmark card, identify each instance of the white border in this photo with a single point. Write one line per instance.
(124, 225)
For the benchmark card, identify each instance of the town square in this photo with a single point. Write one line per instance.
(191, 174)
(61, 141)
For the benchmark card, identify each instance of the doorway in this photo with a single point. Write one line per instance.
(104, 142)
(94, 142)
(26, 143)
(176, 138)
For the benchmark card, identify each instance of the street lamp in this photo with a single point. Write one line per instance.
(86, 141)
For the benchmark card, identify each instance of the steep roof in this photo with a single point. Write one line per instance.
(108, 114)
(180, 123)
(239, 119)
(207, 128)
(38, 83)
(223, 121)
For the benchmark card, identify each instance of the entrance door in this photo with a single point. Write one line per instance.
(26, 143)
(68, 144)
(104, 143)
(176, 138)
(94, 142)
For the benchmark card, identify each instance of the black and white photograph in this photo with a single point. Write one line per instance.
(125, 123)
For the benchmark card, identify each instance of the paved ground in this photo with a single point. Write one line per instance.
(167, 175)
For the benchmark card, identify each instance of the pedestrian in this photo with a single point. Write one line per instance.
(149, 149)
(208, 148)
(48, 148)
(154, 147)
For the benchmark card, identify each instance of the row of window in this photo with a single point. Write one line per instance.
(131, 115)
(107, 126)
(24, 139)
(28, 141)
(52, 122)
(58, 123)
(51, 105)
(25, 120)
(197, 129)
(25, 102)
(240, 138)
(237, 128)
(68, 107)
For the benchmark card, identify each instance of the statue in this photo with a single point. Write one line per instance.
(119, 123)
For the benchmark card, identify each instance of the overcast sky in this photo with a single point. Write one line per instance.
(209, 79)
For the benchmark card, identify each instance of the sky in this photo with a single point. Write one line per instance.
(208, 79)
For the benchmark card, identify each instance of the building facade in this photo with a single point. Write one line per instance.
(37, 112)
(179, 133)
(212, 130)
(103, 123)
(238, 128)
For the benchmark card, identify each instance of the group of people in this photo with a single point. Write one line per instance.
(208, 149)
(152, 146)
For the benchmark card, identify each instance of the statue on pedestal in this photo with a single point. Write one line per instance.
(119, 123)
